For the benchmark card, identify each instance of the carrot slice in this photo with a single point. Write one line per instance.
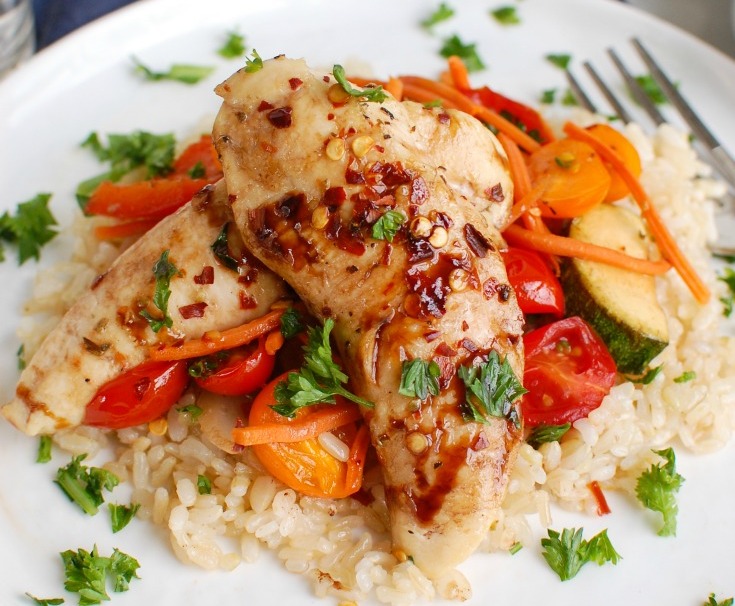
(310, 426)
(202, 153)
(528, 202)
(458, 72)
(569, 247)
(356, 460)
(395, 87)
(617, 142)
(273, 342)
(662, 235)
(124, 230)
(219, 341)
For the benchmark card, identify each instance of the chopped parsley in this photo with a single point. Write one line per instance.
(567, 552)
(712, 601)
(686, 376)
(44, 449)
(466, 52)
(374, 93)
(163, 270)
(29, 228)
(20, 355)
(560, 60)
(204, 484)
(45, 601)
(253, 64)
(233, 47)
(651, 88)
(192, 410)
(491, 390)
(727, 302)
(179, 72)
(434, 103)
(506, 15)
(652, 373)
(318, 381)
(121, 515)
(515, 548)
(442, 13)
(548, 96)
(86, 573)
(197, 171)
(291, 323)
(84, 485)
(657, 487)
(542, 434)
(388, 224)
(569, 99)
(419, 378)
(221, 249)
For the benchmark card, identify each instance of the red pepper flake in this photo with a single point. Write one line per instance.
(469, 345)
(443, 118)
(195, 310)
(380, 149)
(326, 79)
(206, 277)
(476, 241)
(431, 336)
(443, 349)
(246, 301)
(268, 148)
(141, 387)
(602, 507)
(334, 196)
(419, 191)
(447, 370)
(495, 193)
(354, 177)
(465, 326)
(330, 116)
(97, 280)
(280, 117)
(490, 288)
(295, 83)
(264, 106)
(481, 442)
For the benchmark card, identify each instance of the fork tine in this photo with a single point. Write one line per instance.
(579, 93)
(620, 111)
(638, 93)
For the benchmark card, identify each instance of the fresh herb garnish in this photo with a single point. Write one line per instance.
(29, 228)
(491, 390)
(318, 381)
(44, 449)
(466, 52)
(712, 601)
(434, 103)
(233, 47)
(21, 357)
(515, 548)
(419, 378)
(371, 93)
(163, 270)
(86, 573)
(197, 171)
(291, 323)
(686, 376)
(253, 64)
(84, 485)
(45, 601)
(506, 15)
(548, 96)
(565, 161)
(652, 373)
(560, 60)
(542, 434)
(192, 410)
(121, 515)
(567, 552)
(569, 99)
(221, 249)
(657, 487)
(179, 72)
(442, 13)
(651, 88)
(727, 302)
(207, 365)
(388, 224)
(204, 484)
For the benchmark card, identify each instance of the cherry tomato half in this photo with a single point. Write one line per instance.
(141, 395)
(568, 372)
(243, 371)
(537, 288)
(306, 466)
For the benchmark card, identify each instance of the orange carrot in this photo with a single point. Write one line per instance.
(310, 426)
(526, 203)
(273, 342)
(123, 230)
(356, 460)
(395, 87)
(569, 247)
(602, 507)
(200, 154)
(219, 341)
(458, 72)
(518, 169)
(661, 234)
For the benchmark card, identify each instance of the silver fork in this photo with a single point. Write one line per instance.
(721, 160)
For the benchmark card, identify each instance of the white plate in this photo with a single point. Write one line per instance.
(85, 83)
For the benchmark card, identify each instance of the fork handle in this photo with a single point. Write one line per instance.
(725, 164)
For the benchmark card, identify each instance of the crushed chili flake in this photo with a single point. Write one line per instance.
(295, 83)
(280, 117)
(419, 191)
(431, 336)
(268, 148)
(264, 106)
(495, 193)
(469, 345)
(247, 301)
(194, 310)
(443, 349)
(334, 196)
(476, 241)
(206, 277)
(443, 118)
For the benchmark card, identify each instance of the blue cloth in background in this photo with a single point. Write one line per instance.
(56, 18)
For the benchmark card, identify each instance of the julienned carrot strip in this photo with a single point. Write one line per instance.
(310, 426)
(273, 342)
(602, 507)
(395, 87)
(518, 169)
(219, 341)
(458, 100)
(421, 95)
(363, 82)
(661, 234)
(459, 73)
(569, 247)
(526, 203)
(123, 230)
(356, 460)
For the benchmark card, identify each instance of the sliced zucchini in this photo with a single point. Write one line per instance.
(621, 305)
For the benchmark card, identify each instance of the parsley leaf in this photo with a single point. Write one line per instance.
(561, 60)
(84, 485)
(567, 552)
(192, 410)
(253, 64)
(728, 278)
(197, 171)
(123, 569)
(374, 93)
(86, 573)
(466, 52)
(542, 434)
(44, 449)
(291, 323)
(442, 13)
(419, 378)
(233, 47)
(548, 96)
(712, 601)
(506, 15)
(652, 89)
(29, 228)
(163, 270)
(20, 354)
(319, 379)
(45, 601)
(569, 99)
(121, 515)
(491, 389)
(179, 72)
(204, 484)
(221, 249)
(652, 373)
(686, 376)
(388, 224)
(656, 489)
(515, 548)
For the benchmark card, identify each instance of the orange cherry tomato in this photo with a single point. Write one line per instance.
(306, 466)
(141, 395)
(238, 372)
(616, 141)
(574, 177)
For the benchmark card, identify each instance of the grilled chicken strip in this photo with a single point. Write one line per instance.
(103, 334)
(312, 176)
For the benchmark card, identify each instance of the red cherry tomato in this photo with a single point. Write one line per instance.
(568, 372)
(141, 395)
(243, 371)
(537, 288)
